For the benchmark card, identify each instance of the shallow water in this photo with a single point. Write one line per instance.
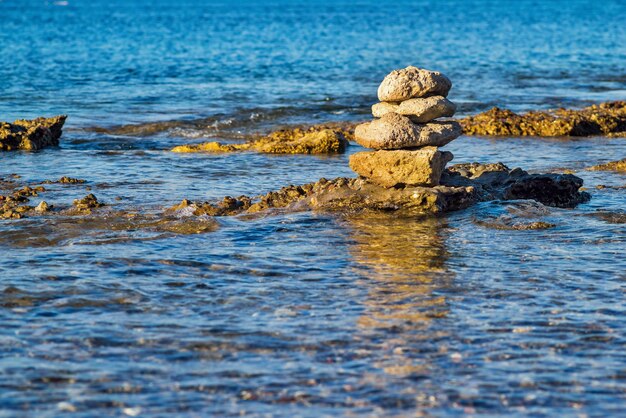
(303, 314)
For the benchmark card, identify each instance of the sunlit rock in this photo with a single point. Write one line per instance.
(394, 131)
(422, 167)
(31, 135)
(411, 82)
(420, 110)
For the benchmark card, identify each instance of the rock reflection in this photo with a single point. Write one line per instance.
(404, 261)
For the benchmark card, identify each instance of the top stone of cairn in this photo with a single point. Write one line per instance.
(410, 82)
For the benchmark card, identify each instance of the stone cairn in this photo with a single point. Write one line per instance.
(406, 135)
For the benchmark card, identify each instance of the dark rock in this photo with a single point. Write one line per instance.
(559, 190)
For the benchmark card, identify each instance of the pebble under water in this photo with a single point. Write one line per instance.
(303, 314)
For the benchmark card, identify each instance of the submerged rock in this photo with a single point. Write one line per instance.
(461, 186)
(602, 119)
(412, 82)
(509, 224)
(610, 217)
(421, 167)
(314, 140)
(32, 134)
(394, 131)
(86, 204)
(345, 195)
(13, 205)
(610, 166)
(212, 147)
(65, 180)
(419, 110)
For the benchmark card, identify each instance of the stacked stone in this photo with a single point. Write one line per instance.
(407, 135)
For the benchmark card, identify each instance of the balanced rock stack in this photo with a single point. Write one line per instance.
(406, 135)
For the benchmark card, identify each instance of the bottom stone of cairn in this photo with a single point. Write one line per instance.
(421, 167)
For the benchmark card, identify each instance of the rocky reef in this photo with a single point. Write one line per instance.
(32, 134)
(318, 139)
(84, 217)
(15, 198)
(461, 186)
(619, 166)
(602, 119)
(406, 173)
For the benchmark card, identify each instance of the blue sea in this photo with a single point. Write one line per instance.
(303, 314)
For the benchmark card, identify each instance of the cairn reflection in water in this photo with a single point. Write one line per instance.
(404, 259)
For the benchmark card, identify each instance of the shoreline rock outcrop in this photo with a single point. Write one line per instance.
(619, 166)
(461, 186)
(405, 173)
(602, 119)
(318, 139)
(31, 135)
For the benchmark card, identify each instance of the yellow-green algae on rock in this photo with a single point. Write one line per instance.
(31, 135)
(320, 139)
(610, 166)
(607, 119)
(215, 147)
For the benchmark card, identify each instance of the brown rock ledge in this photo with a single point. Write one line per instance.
(317, 139)
(32, 134)
(619, 166)
(462, 186)
(602, 119)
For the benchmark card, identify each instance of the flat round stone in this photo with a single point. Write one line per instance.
(420, 110)
(394, 131)
(411, 82)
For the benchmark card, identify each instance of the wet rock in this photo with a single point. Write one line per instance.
(559, 190)
(348, 195)
(393, 131)
(456, 191)
(509, 224)
(65, 180)
(212, 147)
(43, 207)
(361, 195)
(325, 141)
(13, 201)
(413, 82)
(314, 140)
(422, 167)
(610, 217)
(602, 119)
(87, 203)
(228, 206)
(475, 170)
(420, 110)
(498, 182)
(619, 166)
(31, 135)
